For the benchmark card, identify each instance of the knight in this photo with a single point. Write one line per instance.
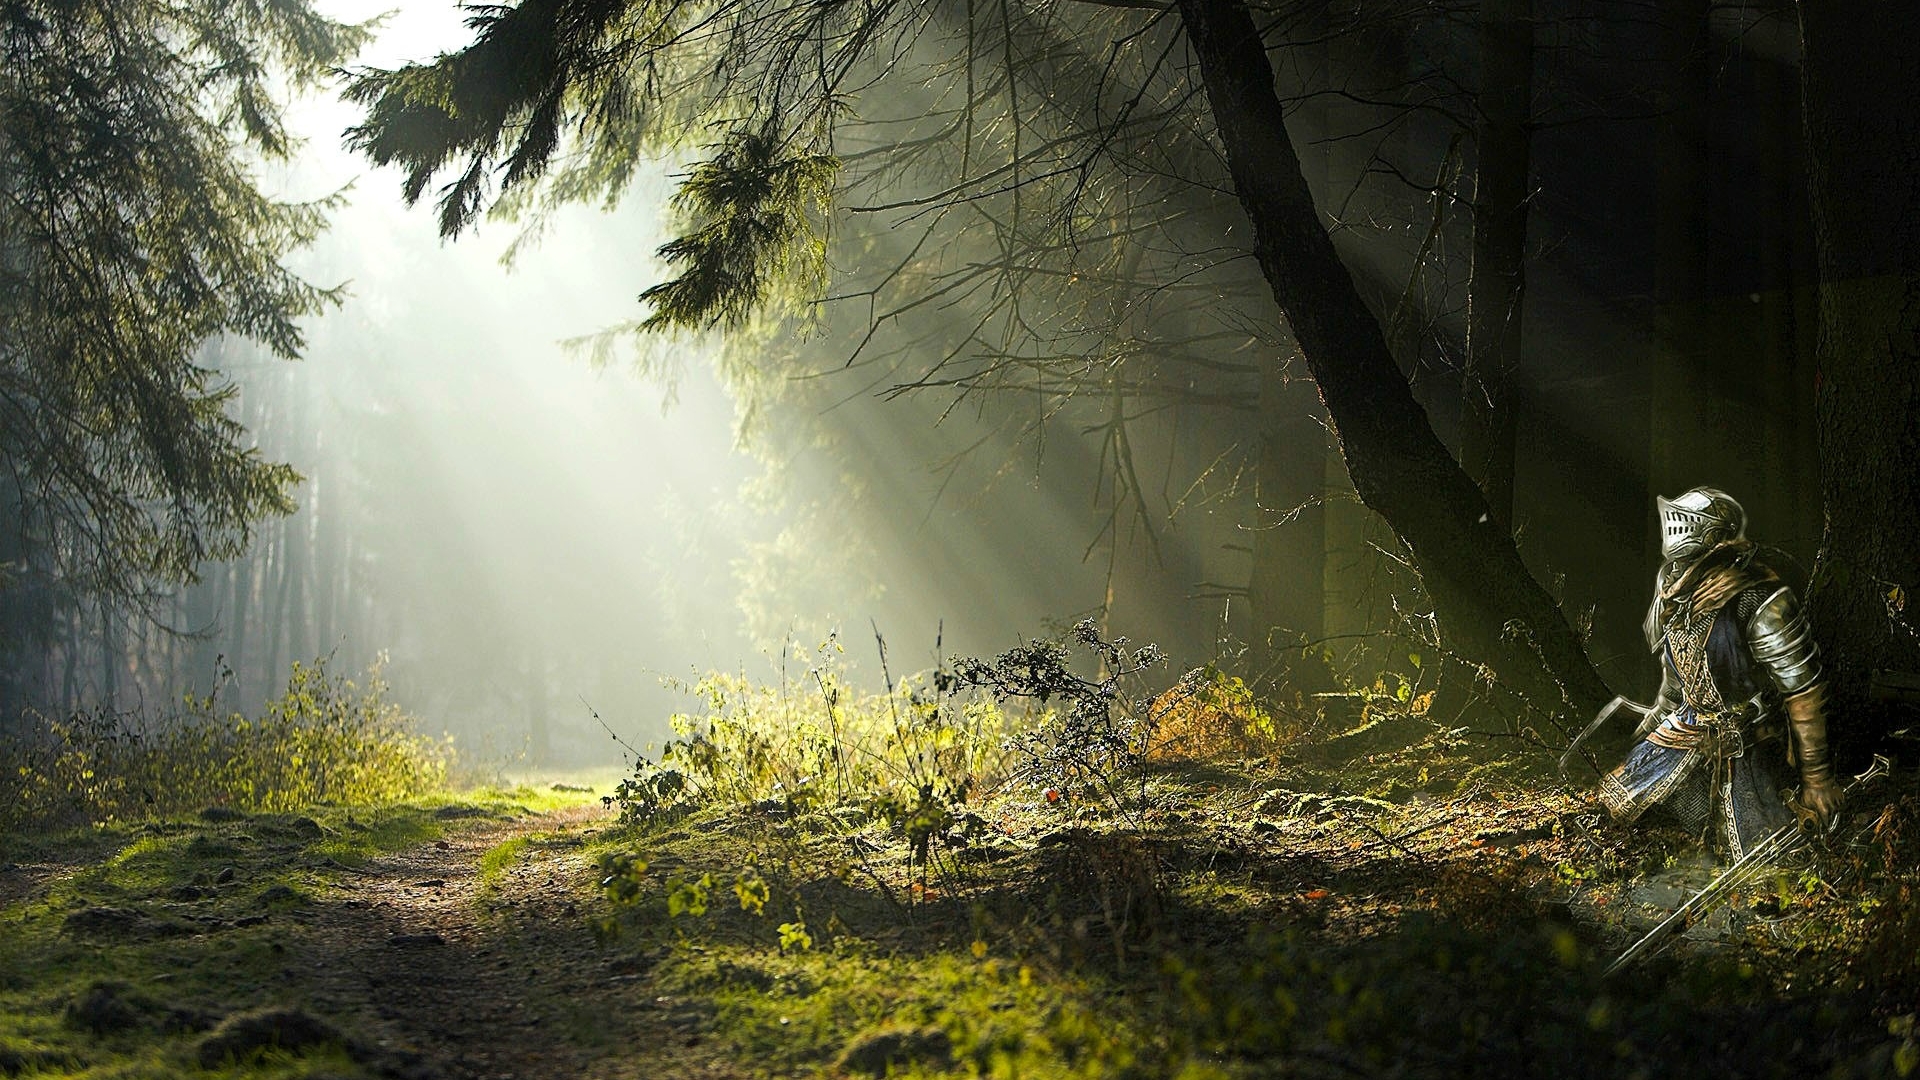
(1740, 676)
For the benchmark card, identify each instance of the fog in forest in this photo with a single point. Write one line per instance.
(1064, 395)
(1131, 538)
(524, 534)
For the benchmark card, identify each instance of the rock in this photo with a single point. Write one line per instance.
(898, 1048)
(415, 941)
(243, 1036)
(431, 883)
(186, 893)
(103, 922)
(986, 853)
(220, 815)
(280, 895)
(287, 826)
(105, 1009)
(224, 877)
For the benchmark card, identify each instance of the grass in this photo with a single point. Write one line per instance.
(186, 920)
(1304, 955)
(326, 739)
(1386, 901)
(495, 863)
(1390, 898)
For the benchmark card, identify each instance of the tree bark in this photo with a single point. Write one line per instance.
(1497, 281)
(1862, 75)
(1489, 608)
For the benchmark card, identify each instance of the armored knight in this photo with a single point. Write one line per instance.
(1739, 670)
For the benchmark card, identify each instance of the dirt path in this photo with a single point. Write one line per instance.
(499, 980)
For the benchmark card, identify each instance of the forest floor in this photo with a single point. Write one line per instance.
(1258, 921)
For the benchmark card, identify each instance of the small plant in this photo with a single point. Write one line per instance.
(910, 755)
(1094, 737)
(1211, 715)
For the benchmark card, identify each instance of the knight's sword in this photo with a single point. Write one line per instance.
(1782, 841)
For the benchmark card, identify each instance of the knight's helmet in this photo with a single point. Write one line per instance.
(1698, 522)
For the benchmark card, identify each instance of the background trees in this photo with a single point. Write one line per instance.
(132, 232)
(1058, 130)
(996, 319)
(1865, 200)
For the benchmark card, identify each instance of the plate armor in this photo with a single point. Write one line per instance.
(1739, 669)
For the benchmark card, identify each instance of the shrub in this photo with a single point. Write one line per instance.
(826, 744)
(325, 738)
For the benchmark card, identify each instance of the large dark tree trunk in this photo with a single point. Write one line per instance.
(1498, 279)
(1862, 77)
(1489, 607)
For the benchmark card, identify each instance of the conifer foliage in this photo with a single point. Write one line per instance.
(615, 81)
(133, 232)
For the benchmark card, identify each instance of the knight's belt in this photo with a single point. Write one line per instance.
(1724, 733)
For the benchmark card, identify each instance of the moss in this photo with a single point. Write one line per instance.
(172, 925)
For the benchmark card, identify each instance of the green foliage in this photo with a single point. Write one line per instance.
(617, 80)
(800, 749)
(1213, 715)
(135, 234)
(757, 216)
(503, 103)
(326, 738)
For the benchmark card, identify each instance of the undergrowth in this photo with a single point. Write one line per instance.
(327, 738)
(1044, 864)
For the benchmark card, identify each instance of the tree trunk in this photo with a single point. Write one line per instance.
(1286, 589)
(1489, 608)
(1497, 281)
(1862, 75)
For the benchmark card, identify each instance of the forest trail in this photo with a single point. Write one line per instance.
(494, 974)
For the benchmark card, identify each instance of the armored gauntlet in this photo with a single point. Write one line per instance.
(1820, 796)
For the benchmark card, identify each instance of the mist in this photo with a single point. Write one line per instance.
(537, 544)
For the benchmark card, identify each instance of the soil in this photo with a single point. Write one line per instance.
(458, 980)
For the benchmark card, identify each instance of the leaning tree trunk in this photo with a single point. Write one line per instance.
(1862, 77)
(1489, 607)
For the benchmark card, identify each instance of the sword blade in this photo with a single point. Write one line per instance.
(1782, 841)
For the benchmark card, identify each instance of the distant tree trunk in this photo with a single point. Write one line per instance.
(109, 657)
(1497, 281)
(1862, 77)
(1681, 454)
(1286, 591)
(1489, 607)
(239, 608)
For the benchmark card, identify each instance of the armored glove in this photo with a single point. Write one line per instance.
(1820, 796)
